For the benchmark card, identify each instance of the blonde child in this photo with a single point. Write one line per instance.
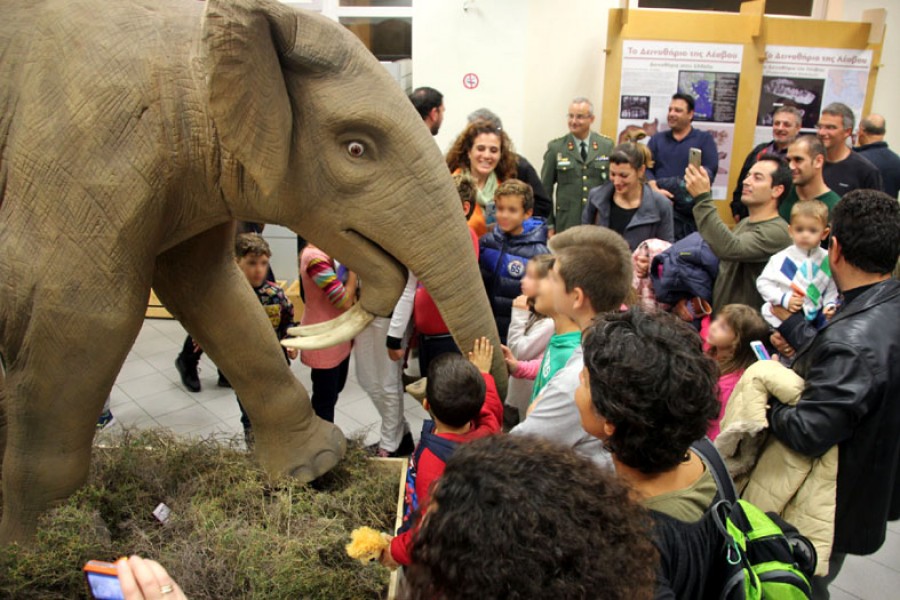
(730, 334)
(799, 277)
(529, 334)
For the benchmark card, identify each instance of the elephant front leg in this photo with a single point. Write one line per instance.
(200, 284)
(55, 384)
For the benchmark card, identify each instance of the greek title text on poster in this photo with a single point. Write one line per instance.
(654, 70)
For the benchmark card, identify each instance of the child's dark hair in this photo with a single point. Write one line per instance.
(251, 243)
(467, 190)
(747, 325)
(514, 187)
(455, 389)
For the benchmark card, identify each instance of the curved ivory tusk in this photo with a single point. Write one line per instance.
(352, 323)
(325, 326)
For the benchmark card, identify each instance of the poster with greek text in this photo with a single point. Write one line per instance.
(654, 70)
(810, 79)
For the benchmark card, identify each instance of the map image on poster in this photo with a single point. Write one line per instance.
(715, 94)
(803, 94)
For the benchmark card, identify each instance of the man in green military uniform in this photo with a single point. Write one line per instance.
(574, 164)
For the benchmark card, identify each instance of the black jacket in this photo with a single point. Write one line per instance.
(852, 398)
(503, 259)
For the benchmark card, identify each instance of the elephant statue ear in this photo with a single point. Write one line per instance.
(248, 47)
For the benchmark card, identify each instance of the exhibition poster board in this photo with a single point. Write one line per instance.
(653, 70)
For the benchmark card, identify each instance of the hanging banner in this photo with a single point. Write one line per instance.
(810, 79)
(654, 70)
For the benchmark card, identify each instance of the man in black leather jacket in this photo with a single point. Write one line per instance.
(852, 373)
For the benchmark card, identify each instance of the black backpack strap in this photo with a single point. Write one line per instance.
(713, 460)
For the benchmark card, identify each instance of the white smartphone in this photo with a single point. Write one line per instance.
(759, 349)
(695, 157)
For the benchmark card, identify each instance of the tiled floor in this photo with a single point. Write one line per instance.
(148, 393)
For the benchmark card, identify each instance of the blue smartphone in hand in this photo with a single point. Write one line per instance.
(759, 349)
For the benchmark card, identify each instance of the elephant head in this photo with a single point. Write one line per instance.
(316, 136)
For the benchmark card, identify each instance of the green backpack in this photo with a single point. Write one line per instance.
(765, 557)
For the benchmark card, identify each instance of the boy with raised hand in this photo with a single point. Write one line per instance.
(506, 249)
(464, 405)
(591, 275)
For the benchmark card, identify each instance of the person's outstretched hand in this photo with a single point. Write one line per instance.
(145, 579)
(482, 355)
(696, 181)
(511, 363)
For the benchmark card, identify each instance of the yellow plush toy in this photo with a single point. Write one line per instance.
(366, 544)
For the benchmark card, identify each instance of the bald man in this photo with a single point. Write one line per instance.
(873, 147)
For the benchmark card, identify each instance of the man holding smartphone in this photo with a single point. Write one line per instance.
(671, 153)
(743, 252)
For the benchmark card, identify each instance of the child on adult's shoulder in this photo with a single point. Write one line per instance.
(327, 297)
(506, 250)
(252, 254)
(730, 334)
(464, 405)
(799, 277)
(529, 334)
(565, 339)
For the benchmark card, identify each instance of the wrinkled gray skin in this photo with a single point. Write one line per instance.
(133, 133)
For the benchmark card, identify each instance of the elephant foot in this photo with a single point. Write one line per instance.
(305, 455)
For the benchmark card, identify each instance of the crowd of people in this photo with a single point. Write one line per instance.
(626, 308)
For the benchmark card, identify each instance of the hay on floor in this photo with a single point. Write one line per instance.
(232, 533)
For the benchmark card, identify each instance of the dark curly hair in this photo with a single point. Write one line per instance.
(458, 156)
(521, 517)
(650, 378)
(866, 223)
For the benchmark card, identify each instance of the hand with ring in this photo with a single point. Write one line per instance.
(145, 579)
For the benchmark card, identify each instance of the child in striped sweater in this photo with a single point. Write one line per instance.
(326, 298)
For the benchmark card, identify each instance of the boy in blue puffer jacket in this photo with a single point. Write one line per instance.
(506, 249)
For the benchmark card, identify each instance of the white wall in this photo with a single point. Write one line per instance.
(887, 89)
(532, 57)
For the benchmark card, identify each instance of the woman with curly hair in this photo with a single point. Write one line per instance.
(648, 392)
(484, 151)
(521, 517)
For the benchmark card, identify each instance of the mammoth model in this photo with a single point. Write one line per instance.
(132, 134)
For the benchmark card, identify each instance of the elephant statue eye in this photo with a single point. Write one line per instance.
(356, 149)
